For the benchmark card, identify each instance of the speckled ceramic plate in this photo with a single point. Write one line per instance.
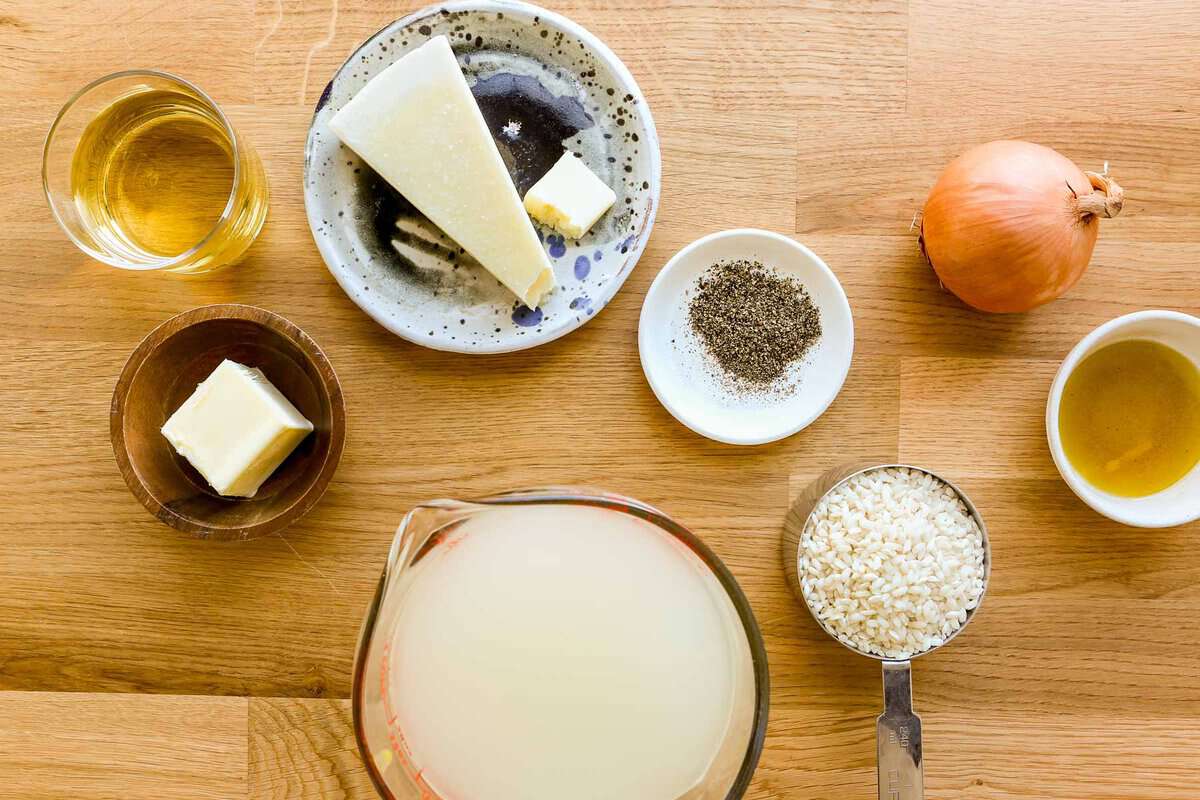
(544, 84)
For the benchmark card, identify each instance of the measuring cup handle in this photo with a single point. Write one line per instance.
(898, 737)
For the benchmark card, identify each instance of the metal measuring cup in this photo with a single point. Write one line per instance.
(898, 728)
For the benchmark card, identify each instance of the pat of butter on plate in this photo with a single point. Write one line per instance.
(236, 429)
(569, 198)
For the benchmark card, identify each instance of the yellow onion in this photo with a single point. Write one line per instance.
(1010, 225)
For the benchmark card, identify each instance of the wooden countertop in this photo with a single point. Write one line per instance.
(136, 663)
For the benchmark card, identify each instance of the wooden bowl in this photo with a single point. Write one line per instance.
(163, 372)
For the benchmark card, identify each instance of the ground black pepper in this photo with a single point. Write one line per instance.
(754, 321)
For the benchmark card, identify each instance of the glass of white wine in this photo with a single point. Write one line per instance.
(145, 172)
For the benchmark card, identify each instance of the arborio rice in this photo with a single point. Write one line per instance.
(891, 561)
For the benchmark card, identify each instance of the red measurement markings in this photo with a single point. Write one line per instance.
(396, 738)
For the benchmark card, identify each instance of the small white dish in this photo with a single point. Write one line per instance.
(544, 84)
(1177, 504)
(689, 384)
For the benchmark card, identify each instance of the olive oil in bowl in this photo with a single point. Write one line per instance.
(1129, 419)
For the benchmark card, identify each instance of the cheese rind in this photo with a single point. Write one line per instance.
(417, 125)
(569, 198)
(236, 429)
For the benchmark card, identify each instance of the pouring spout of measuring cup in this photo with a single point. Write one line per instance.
(898, 737)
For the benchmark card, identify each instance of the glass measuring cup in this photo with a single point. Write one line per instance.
(898, 729)
(433, 529)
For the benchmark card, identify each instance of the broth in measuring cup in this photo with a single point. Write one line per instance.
(558, 650)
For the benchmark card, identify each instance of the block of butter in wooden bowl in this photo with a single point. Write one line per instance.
(227, 422)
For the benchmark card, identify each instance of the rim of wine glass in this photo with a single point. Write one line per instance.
(593, 497)
(235, 151)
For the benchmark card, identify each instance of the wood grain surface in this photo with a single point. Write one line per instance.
(138, 663)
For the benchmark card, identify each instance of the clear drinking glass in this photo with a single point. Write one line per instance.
(145, 172)
(429, 527)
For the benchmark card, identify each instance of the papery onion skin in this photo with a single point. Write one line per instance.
(1011, 225)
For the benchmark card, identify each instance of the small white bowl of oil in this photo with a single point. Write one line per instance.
(1123, 419)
